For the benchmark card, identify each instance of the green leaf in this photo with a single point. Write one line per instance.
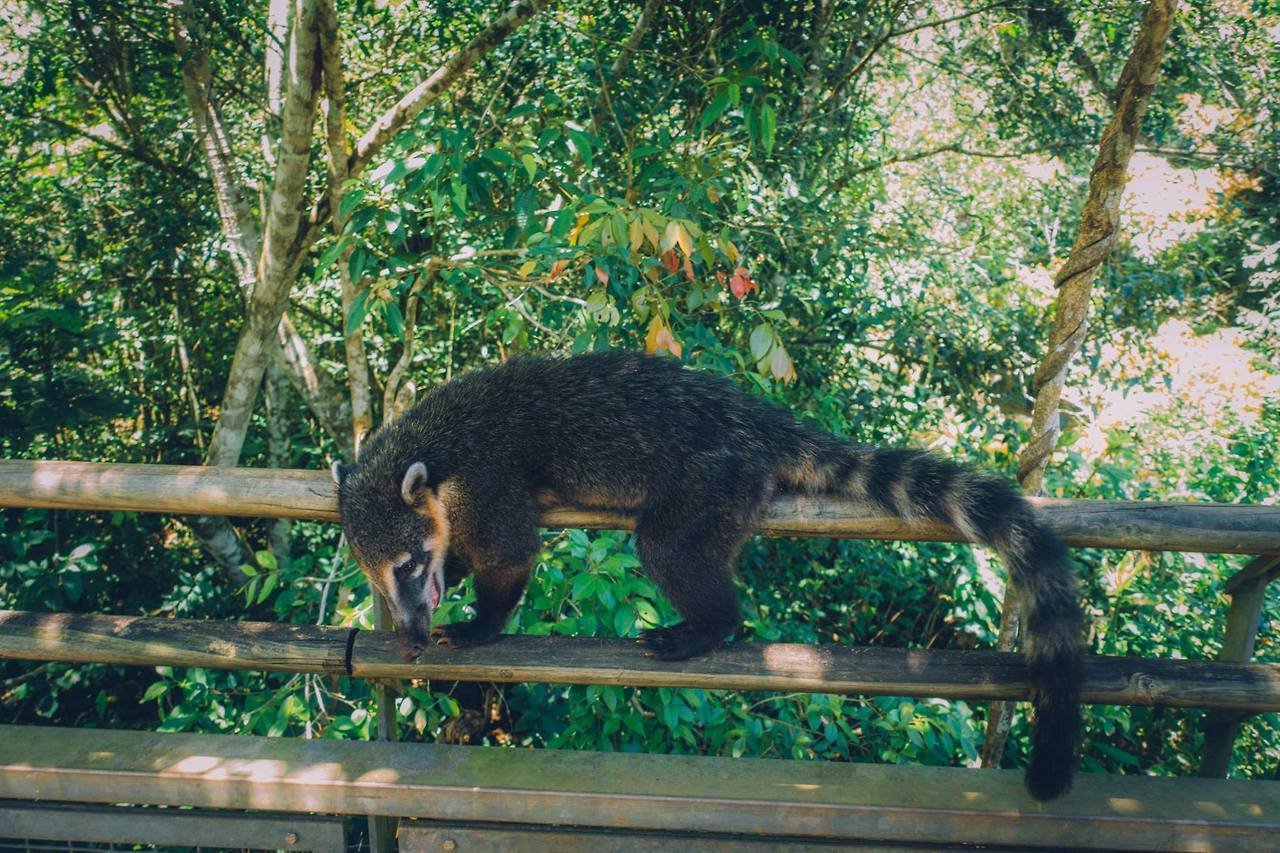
(515, 325)
(266, 559)
(717, 106)
(330, 255)
(530, 165)
(349, 203)
(357, 263)
(582, 145)
(500, 156)
(768, 127)
(359, 309)
(155, 691)
(362, 217)
(762, 339)
(395, 320)
(269, 586)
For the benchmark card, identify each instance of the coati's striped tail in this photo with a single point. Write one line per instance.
(991, 510)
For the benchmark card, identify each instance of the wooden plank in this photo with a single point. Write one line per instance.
(178, 827)
(566, 660)
(310, 494)
(263, 646)
(432, 836)
(811, 800)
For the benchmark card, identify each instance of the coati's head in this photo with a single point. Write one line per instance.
(398, 532)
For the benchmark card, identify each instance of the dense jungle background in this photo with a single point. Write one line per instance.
(855, 209)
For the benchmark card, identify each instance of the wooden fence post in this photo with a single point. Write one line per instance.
(1248, 591)
(382, 829)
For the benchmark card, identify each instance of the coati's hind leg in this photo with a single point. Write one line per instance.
(688, 535)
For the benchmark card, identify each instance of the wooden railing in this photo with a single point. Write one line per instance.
(1231, 686)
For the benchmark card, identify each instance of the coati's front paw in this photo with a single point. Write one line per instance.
(461, 635)
(678, 642)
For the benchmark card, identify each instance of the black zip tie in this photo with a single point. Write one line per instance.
(351, 647)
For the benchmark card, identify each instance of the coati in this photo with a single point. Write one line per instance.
(452, 488)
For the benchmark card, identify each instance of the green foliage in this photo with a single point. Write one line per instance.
(747, 197)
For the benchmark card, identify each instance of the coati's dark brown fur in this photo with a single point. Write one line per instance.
(452, 488)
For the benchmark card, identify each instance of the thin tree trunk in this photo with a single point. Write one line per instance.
(386, 126)
(268, 266)
(1099, 228)
(278, 449)
(278, 258)
(238, 225)
(323, 396)
(336, 146)
(815, 66)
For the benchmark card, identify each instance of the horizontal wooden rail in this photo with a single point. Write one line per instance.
(273, 493)
(566, 660)
(779, 799)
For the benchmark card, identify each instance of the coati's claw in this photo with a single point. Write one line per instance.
(678, 642)
(461, 635)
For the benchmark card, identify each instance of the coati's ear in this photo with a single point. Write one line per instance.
(413, 488)
(340, 472)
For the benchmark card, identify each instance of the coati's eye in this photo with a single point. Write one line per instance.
(406, 569)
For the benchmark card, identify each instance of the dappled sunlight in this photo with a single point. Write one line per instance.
(1124, 805)
(1166, 204)
(797, 659)
(1201, 378)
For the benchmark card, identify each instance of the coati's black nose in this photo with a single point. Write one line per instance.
(411, 645)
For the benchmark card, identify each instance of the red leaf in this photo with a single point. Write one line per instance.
(740, 286)
(602, 274)
(670, 262)
(688, 269)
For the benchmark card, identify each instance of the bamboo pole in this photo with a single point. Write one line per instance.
(950, 674)
(269, 493)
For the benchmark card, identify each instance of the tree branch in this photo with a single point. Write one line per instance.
(408, 107)
(647, 14)
(438, 82)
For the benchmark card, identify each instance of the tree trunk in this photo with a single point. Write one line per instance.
(284, 209)
(1099, 227)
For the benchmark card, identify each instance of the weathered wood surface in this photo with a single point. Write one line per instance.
(182, 828)
(432, 836)
(568, 660)
(824, 800)
(271, 493)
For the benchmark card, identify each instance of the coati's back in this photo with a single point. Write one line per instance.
(617, 417)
